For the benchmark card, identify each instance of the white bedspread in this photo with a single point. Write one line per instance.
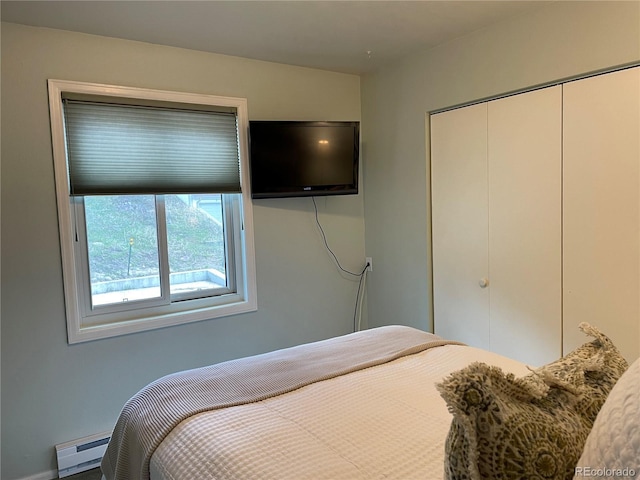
(158, 408)
(386, 421)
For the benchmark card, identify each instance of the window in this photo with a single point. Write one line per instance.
(155, 218)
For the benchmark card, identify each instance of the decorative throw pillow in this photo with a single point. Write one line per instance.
(533, 427)
(613, 445)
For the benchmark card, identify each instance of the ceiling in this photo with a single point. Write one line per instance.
(344, 36)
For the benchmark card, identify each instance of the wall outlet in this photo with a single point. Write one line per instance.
(369, 261)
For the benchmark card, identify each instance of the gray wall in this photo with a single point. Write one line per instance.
(54, 392)
(549, 43)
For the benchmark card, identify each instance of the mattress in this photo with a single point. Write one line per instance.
(385, 421)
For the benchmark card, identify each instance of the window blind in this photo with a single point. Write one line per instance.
(126, 149)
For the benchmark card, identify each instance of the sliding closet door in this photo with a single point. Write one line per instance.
(459, 224)
(525, 225)
(602, 208)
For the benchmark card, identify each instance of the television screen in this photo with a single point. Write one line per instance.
(296, 159)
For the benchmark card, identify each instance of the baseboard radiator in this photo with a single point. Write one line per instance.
(82, 454)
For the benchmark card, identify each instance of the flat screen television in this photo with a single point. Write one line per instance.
(300, 159)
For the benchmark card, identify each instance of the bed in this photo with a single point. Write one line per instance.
(365, 405)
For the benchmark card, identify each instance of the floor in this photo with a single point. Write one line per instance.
(94, 474)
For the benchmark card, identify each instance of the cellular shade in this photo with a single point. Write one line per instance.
(126, 149)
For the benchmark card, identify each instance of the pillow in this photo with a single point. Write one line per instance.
(589, 372)
(613, 445)
(533, 427)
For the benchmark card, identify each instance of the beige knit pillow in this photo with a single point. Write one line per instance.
(532, 427)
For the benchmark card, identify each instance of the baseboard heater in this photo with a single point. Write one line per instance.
(82, 454)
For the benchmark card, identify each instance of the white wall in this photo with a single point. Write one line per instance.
(54, 392)
(552, 42)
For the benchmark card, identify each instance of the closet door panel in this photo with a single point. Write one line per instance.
(525, 225)
(602, 208)
(459, 224)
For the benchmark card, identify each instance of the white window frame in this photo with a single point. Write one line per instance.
(83, 327)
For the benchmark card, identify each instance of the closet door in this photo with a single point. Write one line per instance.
(525, 225)
(459, 224)
(602, 208)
